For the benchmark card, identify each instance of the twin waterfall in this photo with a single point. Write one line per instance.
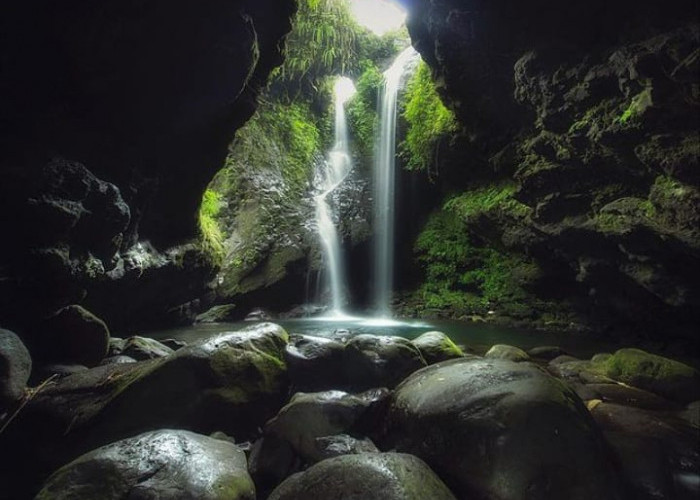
(334, 171)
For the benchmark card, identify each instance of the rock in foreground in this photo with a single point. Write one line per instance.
(15, 367)
(165, 464)
(495, 429)
(366, 476)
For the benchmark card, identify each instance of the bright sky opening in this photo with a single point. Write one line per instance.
(379, 16)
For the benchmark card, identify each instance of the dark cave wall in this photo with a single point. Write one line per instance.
(115, 117)
(591, 108)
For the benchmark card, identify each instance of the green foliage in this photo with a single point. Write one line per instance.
(499, 197)
(362, 111)
(463, 278)
(323, 41)
(211, 236)
(427, 118)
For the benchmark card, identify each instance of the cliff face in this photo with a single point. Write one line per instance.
(591, 110)
(115, 117)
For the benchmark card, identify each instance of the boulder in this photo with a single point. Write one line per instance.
(309, 416)
(546, 352)
(508, 352)
(315, 363)
(343, 444)
(174, 344)
(112, 360)
(380, 361)
(173, 464)
(631, 396)
(217, 314)
(56, 370)
(669, 378)
(15, 368)
(75, 336)
(436, 347)
(366, 476)
(233, 382)
(116, 346)
(141, 348)
(495, 429)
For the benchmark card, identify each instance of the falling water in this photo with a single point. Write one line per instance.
(384, 183)
(330, 175)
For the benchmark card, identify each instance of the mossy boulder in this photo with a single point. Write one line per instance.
(160, 464)
(15, 368)
(380, 361)
(74, 335)
(436, 347)
(365, 476)
(508, 352)
(494, 429)
(309, 416)
(669, 378)
(546, 352)
(233, 382)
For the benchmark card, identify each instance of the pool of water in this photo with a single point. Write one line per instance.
(478, 336)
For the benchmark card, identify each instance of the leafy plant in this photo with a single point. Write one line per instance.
(211, 236)
(428, 120)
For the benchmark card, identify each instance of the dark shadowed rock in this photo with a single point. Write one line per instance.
(436, 347)
(174, 344)
(15, 368)
(141, 348)
(315, 363)
(117, 360)
(546, 352)
(495, 428)
(631, 396)
(309, 416)
(271, 461)
(380, 361)
(508, 352)
(171, 464)
(74, 335)
(367, 476)
(343, 444)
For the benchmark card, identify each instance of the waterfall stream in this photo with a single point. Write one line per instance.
(384, 183)
(329, 176)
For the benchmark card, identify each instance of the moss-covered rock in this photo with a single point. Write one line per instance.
(370, 476)
(669, 378)
(508, 352)
(158, 464)
(436, 346)
(379, 361)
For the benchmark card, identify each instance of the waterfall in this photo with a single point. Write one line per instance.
(384, 183)
(329, 176)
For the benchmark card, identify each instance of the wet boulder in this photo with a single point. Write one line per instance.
(15, 368)
(436, 346)
(309, 416)
(173, 464)
(233, 382)
(380, 361)
(112, 360)
(141, 348)
(508, 352)
(74, 336)
(366, 476)
(495, 428)
(315, 363)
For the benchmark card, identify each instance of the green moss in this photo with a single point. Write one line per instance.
(211, 236)
(427, 118)
(637, 106)
(362, 112)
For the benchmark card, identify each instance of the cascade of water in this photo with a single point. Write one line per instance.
(384, 183)
(329, 176)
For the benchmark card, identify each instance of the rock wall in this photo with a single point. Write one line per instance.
(591, 108)
(115, 117)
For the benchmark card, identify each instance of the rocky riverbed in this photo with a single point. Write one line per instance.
(260, 413)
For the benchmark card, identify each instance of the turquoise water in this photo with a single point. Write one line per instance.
(478, 336)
